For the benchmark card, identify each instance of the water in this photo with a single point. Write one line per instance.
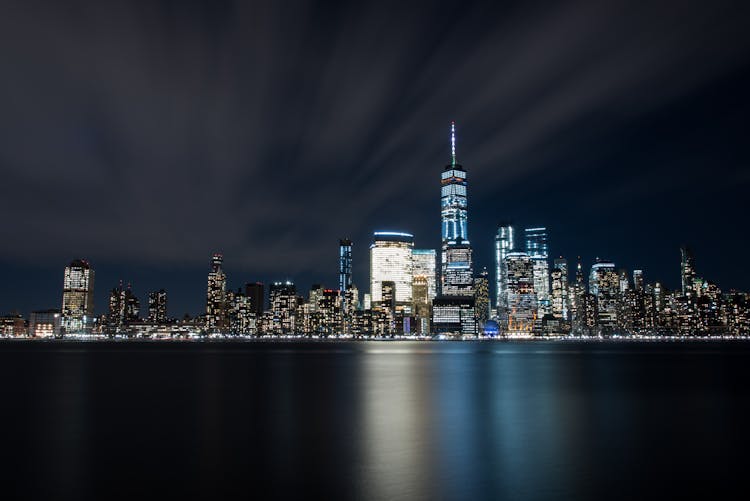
(374, 420)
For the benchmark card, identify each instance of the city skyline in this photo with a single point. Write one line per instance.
(418, 292)
(622, 137)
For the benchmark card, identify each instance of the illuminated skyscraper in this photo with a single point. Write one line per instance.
(578, 300)
(604, 284)
(283, 299)
(538, 250)
(425, 265)
(242, 318)
(638, 280)
(560, 303)
(422, 308)
(482, 297)
(78, 297)
(391, 261)
(503, 245)
(217, 318)
(345, 284)
(345, 265)
(157, 306)
(458, 279)
(457, 274)
(597, 271)
(522, 299)
(687, 270)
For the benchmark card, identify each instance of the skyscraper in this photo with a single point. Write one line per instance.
(345, 265)
(522, 299)
(283, 299)
(157, 306)
(578, 300)
(391, 261)
(538, 250)
(638, 280)
(597, 271)
(345, 284)
(217, 318)
(78, 297)
(560, 302)
(124, 308)
(687, 270)
(458, 279)
(425, 265)
(256, 297)
(604, 284)
(457, 275)
(503, 245)
(482, 297)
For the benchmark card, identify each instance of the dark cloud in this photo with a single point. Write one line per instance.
(157, 132)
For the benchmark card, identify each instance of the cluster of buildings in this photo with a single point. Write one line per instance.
(419, 292)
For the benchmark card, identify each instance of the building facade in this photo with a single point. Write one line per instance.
(457, 272)
(78, 297)
(391, 261)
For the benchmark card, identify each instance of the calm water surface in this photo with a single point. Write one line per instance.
(374, 420)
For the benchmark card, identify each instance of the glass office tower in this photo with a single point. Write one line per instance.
(538, 250)
(391, 261)
(457, 274)
(78, 297)
(503, 245)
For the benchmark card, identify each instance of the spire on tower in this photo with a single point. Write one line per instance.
(453, 143)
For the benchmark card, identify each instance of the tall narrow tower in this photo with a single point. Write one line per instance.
(345, 265)
(457, 275)
(687, 270)
(216, 296)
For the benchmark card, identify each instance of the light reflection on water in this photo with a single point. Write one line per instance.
(375, 420)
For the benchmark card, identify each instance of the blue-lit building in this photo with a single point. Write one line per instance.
(537, 248)
(457, 273)
(345, 265)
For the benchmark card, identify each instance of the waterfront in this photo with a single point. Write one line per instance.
(374, 420)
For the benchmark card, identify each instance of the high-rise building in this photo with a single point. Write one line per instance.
(597, 270)
(457, 273)
(559, 281)
(624, 281)
(124, 308)
(422, 303)
(217, 318)
(78, 297)
(425, 265)
(504, 244)
(538, 250)
(458, 279)
(157, 306)
(242, 318)
(604, 284)
(687, 270)
(638, 280)
(255, 294)
(329, 308)
(391, 261)
(482, 297)
(522, 299)
(577, 300)
(283, 299)
(345, 265)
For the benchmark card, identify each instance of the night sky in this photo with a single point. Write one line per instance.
(144, 136)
